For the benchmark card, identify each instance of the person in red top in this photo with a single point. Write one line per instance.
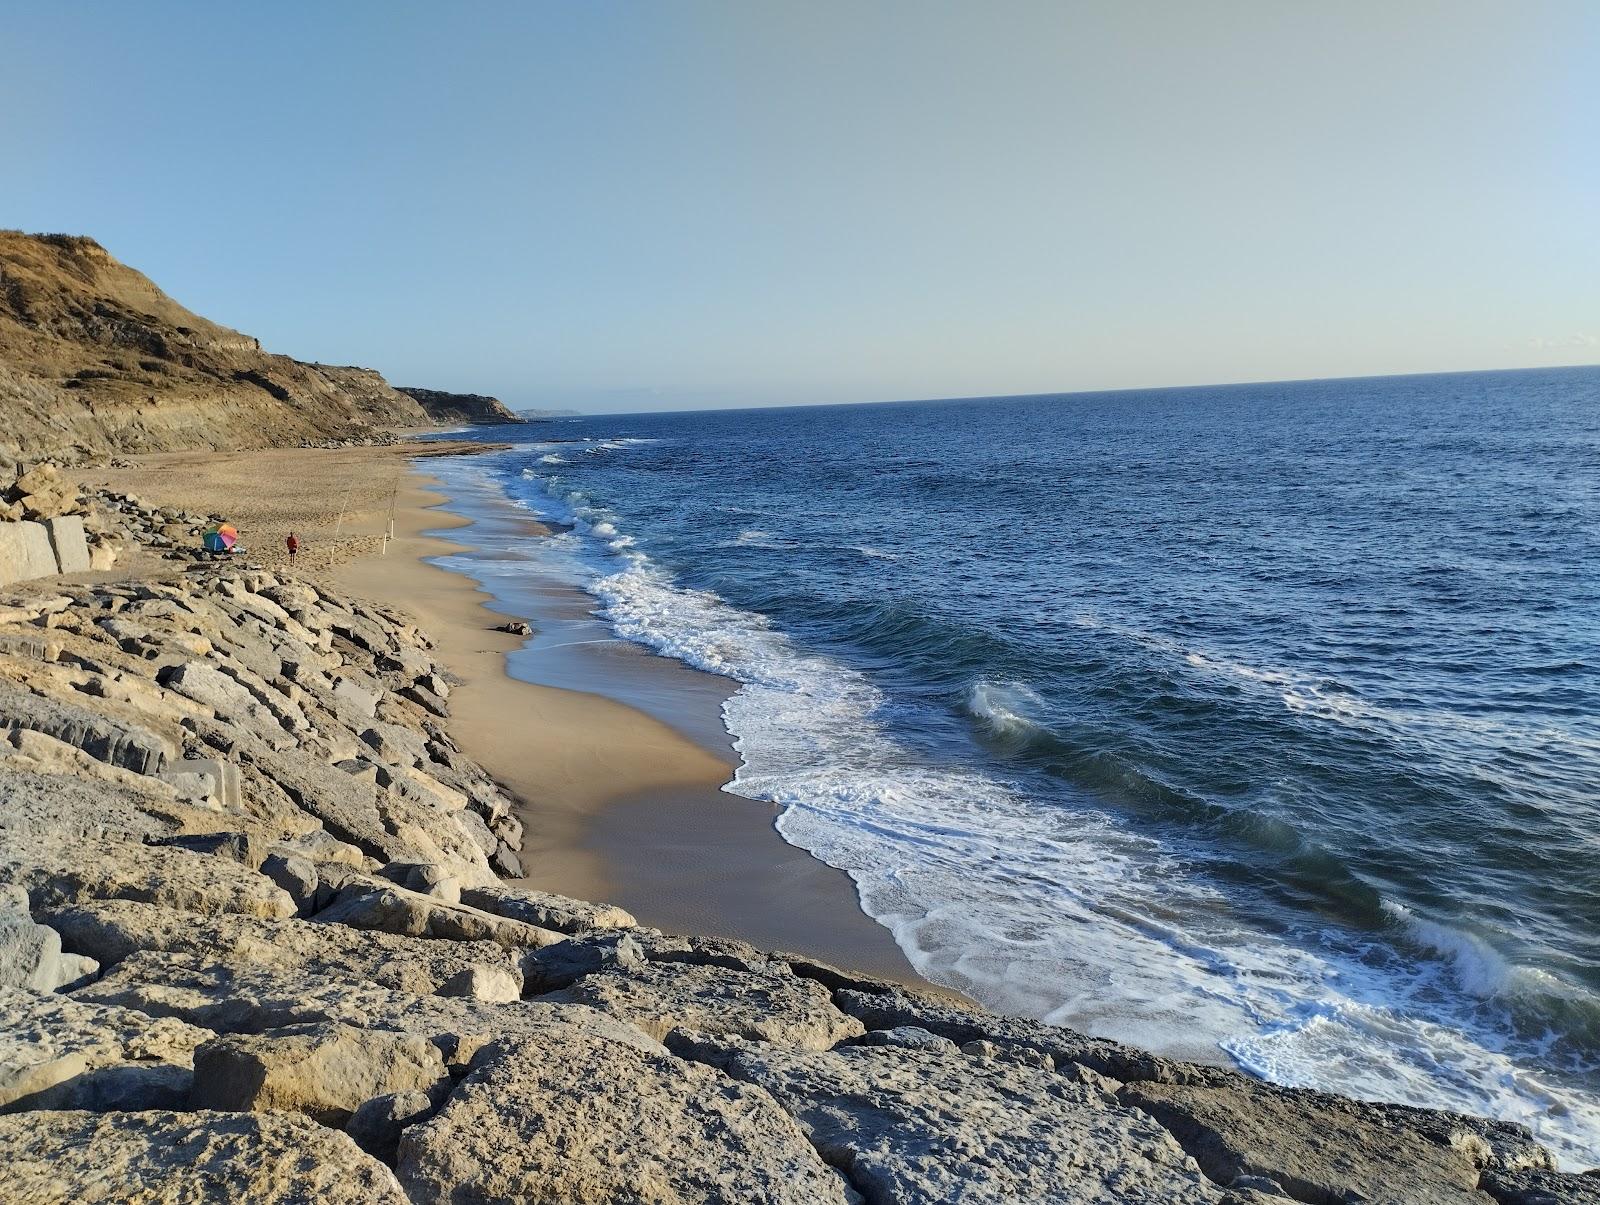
(293, 544)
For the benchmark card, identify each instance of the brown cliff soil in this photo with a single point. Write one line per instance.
(95, 358)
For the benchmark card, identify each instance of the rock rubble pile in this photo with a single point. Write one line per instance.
(257, 944)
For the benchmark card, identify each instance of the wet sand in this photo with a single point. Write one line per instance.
(619, 802)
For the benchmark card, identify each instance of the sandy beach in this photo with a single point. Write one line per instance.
(616, 803)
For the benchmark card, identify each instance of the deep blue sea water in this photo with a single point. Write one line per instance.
(1260, 722)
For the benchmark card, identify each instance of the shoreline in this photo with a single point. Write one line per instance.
(615, 803)
(261, 945)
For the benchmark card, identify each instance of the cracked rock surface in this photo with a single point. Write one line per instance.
(254, 948)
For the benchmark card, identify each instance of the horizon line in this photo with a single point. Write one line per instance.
(1071, 393)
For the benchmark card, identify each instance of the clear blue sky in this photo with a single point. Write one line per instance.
(628, 205)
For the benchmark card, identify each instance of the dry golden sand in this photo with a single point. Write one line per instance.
(616, 804)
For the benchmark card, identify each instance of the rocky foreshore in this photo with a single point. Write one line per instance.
(257, 945)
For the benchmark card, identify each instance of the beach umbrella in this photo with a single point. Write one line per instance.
(220, 538)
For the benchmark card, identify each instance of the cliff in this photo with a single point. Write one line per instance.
(443, 407)
(94, 357)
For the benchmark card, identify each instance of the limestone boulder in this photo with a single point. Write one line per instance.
(505, 862)
(425, 878)
(378, 1124)
(352, 810)
(563, 964)
(425, 830)
(101, 736)
(69, 543)
(478, 829)
(112, 930)
(913, 1038)
(1531, 1187)
(30, 953)
(726, 952)
(236, 998)
(229, 699)
(82, 1158)
(27, 751)
(60, 1053)
(547, 911)
(353, 699)
(564, 1117)
(396, 745)
(58, 871)
(917, 1126)
(1316, 1147)
(326, 1071)
(296, 874)
(426, 699)
(62, 809)
(395, 910)
(952, 1019)
(25, 552)
(240, 847)
(776, 1008)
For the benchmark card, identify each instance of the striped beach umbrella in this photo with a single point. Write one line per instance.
(219, 538)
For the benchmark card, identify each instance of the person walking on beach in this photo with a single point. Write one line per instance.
(293, 544)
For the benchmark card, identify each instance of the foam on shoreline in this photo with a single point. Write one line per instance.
(1073, 918)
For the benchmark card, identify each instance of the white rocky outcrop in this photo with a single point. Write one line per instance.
(249, 900)
(533, 1123)
(84, 1158)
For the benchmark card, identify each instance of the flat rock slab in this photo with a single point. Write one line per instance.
(396, 910)
(103, 737)
(961, 1024)
(1313, 1147)
(563, 1119)
(57, 1052)
(659, 998)
(25, 552)
(326, 1071)
(546, 910)
(910, 1126)
(57, 872)
(71, 809)
(1543, 1188)
(252, 999)
(165, 1158)
(68, 542)
(112, 930)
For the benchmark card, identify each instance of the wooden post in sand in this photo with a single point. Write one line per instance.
(344, 502)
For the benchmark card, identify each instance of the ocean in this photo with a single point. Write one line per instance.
(1254, 723)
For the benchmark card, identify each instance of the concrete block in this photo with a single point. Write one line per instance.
(103, 738)
(360, 702)
(223, 774)
(25, 552)
(70, 545)
(36, 648)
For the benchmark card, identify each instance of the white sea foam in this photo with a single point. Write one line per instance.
(612, 445)
(1004, 707)
(551, 458)
(1064, 913)
(1328, 700)
(1066, 916)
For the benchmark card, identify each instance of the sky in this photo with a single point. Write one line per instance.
(624, 206)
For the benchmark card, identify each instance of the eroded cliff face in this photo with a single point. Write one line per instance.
(445, 407)
(94, 357)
